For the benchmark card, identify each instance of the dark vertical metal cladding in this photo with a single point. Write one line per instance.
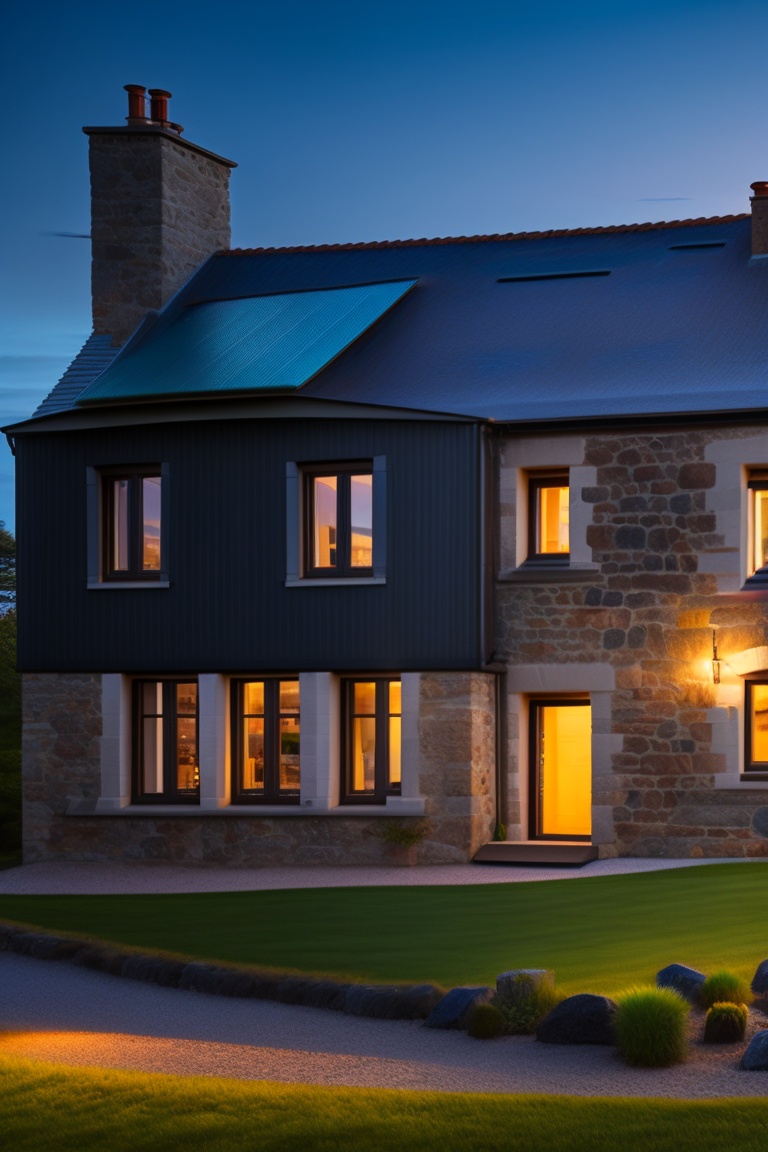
(224, 543)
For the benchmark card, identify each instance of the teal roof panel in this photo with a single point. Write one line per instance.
(257, 343)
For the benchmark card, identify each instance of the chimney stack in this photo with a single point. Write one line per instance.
(159, 208)
(759, 218)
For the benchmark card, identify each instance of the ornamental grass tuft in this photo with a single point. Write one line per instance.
(726, 1023)
(532, 1001)
(724, 988)
(651, 1027)
(485, 1022)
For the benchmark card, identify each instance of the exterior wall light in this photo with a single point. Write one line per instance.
(715, 660)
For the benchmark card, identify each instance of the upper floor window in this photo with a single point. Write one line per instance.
(758, 527)
(548, 517)
(265, 741)
(131, 533)
(339, 520)
(372, 726)
(165, 755)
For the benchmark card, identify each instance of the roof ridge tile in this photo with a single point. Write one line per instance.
(598, 230)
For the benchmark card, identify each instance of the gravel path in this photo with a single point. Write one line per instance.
(61, 878)
(59, 1012)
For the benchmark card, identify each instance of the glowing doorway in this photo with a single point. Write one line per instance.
(561, 769)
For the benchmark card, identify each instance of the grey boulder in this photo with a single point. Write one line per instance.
(582, 1019)
(686, 981)
(454, 1008)
(516, 985)
(755, 1059)
(760, 980)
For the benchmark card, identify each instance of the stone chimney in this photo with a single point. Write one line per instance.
(159, 208)
(759, 218)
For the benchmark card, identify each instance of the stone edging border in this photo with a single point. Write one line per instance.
(381, 1001)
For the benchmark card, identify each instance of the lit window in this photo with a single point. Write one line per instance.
(266, 741)
(131, 508)
(339, 521)
(548, 517)
(756, 758)
(165, 760)
(758, 493)
(372, 740)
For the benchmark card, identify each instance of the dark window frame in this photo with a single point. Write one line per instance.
(135, 475)
(382, 787)
(756, 482)
(272, 793)
(344, 470)
(559, 478)
(752, 767)
(534, 751)
(171, 793)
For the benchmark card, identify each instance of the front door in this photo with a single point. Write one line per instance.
(561, 770)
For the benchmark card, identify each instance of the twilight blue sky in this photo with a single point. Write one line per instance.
(364, 120)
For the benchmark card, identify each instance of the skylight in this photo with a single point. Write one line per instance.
(553, 275)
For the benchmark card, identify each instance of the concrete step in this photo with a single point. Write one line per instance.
(568, 854)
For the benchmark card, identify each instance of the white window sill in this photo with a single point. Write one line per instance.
(120, 585)
(185, 811)
(548, 574)
(740, 784)
(335, 581)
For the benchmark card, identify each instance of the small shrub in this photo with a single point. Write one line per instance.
(485, 1022)
(726, 1023)
(500, 832)
(724, 988)
(532, 1001)
(650, 1027)
(405, 834)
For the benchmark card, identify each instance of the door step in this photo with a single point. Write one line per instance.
(541, 852)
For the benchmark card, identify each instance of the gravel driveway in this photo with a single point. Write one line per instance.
(59, 1012)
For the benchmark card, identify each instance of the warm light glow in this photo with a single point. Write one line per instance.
(187, 769)
(565, 769)
(553, 520)
(759, 721)
(361, 500)
(324, 505)
(151, 513)
(395, 738)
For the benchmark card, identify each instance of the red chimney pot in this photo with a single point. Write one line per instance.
(137, 103)
(760, 187)
(159, 105)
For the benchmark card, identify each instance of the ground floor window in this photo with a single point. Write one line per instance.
(756, 750)
(265, 741)
(165, 751)
(371, 740)
(561, 769)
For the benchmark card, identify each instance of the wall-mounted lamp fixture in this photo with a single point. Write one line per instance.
(715, 660)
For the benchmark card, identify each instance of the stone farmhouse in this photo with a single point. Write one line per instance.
(420, 550)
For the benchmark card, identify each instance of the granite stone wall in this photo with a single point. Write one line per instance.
(61, 733)
(648, 611)
(62, 730)
(458, 760)
(159, 208)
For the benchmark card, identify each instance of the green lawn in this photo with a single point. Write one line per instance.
(598, 934)
(88, 1110)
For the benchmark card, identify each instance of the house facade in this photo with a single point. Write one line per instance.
(456, 544)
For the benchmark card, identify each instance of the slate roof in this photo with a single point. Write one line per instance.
(95, 355)
(669, 318)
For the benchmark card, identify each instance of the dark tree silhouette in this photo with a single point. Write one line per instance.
(7, 570)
